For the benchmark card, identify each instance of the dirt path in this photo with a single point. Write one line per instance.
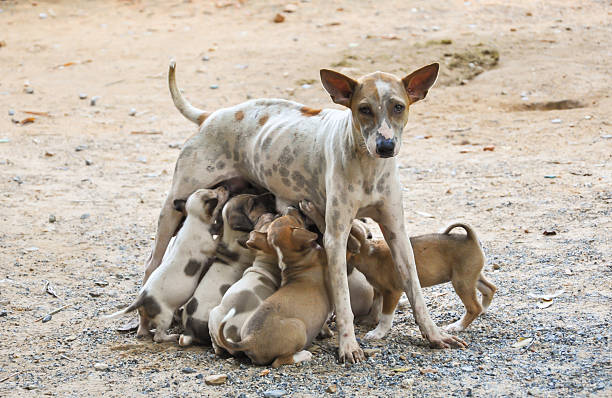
(483, 147)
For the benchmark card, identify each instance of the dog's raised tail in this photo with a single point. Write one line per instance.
(469, 230)
(239, 346)
(189, 111)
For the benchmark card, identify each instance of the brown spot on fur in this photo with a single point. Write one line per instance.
(306, 111)
(262, 120)
(239, 115)
(203, 117)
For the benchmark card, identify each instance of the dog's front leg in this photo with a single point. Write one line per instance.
(394, 231)
(338, 224)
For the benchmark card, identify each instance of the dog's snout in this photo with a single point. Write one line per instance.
(385, 147)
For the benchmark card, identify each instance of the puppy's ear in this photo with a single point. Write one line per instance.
(339, 87)
(179, 205)
(353, 245)
(267, 200)
(259, 241)
(238, 221)
(417, 83)
(303, 238)
(243, 241)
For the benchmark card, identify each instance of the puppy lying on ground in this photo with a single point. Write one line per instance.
(192, 252)
(287, 321)
(239, 215)
(258, 282)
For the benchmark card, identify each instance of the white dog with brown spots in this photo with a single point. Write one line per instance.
(341, 160)
(175, 280)
(240, 215)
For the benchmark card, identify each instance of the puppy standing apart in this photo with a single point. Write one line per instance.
(258, 283)
(287, 322)
(240, 214)
(440, 258)
(171, 285)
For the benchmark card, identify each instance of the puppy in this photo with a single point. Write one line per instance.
(257, 283)
(239, 216)
(287, 321)
(192, 252)
(440, 258)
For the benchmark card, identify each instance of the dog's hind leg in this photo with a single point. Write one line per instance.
(467, 293)
(487, 289)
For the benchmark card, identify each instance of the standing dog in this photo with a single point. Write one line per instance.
(440, 258)
(192, 252)
(239, 215)
(341, 160)
(287, 321)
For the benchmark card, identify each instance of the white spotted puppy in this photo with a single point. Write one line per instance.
(192, 252)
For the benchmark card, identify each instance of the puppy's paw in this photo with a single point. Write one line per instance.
(185, 340)
(454, 327)
(375, 334)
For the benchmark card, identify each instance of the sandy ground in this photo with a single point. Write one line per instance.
(88, 168)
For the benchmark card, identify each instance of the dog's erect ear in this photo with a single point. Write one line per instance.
(179, 205)
(303, 237)
(419, 82)
(339, 87)
(238, 221)
(259, 241)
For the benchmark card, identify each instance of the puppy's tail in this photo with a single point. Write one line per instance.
(131, 308)
(469, 230)
(189, 111)
(223, 341)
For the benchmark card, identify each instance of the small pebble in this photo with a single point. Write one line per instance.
(88, 162)
(214, 86)
(29, 90)
(142, 159)
(94, 100)
(80, 148)
(72, 337)
(371, 352)
(84, 216)
(52, 218)
(42, 15)
(332, 389)
(82, 96)
(407, 383)
(31, 387)
(215, 380)
(11, 112)
(3, 313)
(496, 266)
(206, 58)
(100, 366)
(132, 112)
(274, 393)
(556, 121)
(94, 293)
(101, 283)
(46, 318)
(188, 370)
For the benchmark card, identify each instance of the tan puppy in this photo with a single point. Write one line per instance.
(440, 258)
(287, 322)
(239, 215)
(258, 283)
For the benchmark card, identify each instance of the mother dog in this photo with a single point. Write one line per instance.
(343, 161)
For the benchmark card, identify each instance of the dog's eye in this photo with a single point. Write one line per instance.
(399, 108)
(365, 110)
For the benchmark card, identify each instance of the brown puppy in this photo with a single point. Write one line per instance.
(287, 321)
(440, 258)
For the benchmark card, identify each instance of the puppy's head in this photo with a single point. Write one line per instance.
(242, 211)
(204, 203)
(379, 103)
(289, 237)
(258, 236)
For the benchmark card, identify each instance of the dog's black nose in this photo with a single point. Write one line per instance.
(385, 147)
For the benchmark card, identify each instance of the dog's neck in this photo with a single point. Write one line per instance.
(304, 266)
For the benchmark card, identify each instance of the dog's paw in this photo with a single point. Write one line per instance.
(185, 340)
(454, 327)
(349, 351)
(374, 335)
